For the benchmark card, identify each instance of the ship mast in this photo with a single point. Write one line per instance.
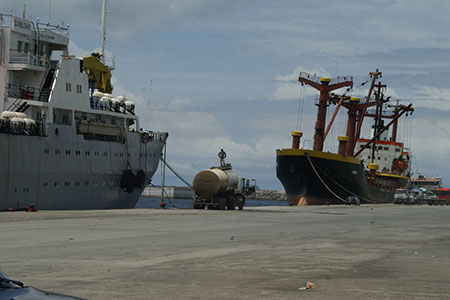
(103, 33)
(325, 86)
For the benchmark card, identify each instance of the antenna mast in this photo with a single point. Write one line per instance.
(103, 33)
(24, 9)
(148, 104)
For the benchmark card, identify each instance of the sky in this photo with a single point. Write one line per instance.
(224, 72)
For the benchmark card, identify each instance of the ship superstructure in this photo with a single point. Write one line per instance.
(432, 184)
(370, 169)
(65, 141)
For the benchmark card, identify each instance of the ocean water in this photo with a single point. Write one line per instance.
(187, 203)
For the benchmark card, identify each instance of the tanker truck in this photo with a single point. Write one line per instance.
(220, 187)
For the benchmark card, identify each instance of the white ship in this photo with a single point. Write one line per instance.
(65, 141)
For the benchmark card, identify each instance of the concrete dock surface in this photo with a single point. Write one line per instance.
(366, 252)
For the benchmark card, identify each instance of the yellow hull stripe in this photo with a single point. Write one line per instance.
(391, 175)
(317, 154)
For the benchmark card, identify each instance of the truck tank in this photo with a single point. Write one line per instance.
(208, 183)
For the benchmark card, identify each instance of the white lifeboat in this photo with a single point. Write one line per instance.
(129, 105)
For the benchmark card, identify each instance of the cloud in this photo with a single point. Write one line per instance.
(77, 51)
(179, 103)
(288, 87)
(433, 98)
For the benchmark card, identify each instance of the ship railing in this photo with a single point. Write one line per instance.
(315, 78)
(62, 29)
(26, 92)
(340, 79)
(308, 76)
(28, 58)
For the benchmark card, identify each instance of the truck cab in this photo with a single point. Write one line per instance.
(402, 196)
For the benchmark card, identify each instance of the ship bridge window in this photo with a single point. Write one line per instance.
(386, 148)
(26, 47)
(19, 46)
(65, 119)
(68, 87)
(79, 88)
(397, 150)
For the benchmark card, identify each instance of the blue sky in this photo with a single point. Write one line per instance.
(224, 71)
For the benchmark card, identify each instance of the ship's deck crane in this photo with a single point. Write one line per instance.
(98, 73)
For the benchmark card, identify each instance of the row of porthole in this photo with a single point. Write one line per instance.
(25, 190)
(78, 152)
(385, 186)
(384, 148)
(77, 183)
(88, 153)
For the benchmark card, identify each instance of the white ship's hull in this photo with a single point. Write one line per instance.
(65, 171)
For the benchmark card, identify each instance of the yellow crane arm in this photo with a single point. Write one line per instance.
(99, 73)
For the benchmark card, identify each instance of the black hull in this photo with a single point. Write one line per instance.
(317, 178)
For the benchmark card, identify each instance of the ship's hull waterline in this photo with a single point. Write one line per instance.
(65, 171)
(317, 178)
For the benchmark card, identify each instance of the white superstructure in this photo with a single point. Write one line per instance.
(391, 157)
(65, 141)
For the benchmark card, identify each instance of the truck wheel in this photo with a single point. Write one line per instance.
(221, 204)
(230, 203)
(240, 201)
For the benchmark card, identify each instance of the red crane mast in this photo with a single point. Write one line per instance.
(324, 85)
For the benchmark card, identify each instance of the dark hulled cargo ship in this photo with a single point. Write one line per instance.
(370, 169)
